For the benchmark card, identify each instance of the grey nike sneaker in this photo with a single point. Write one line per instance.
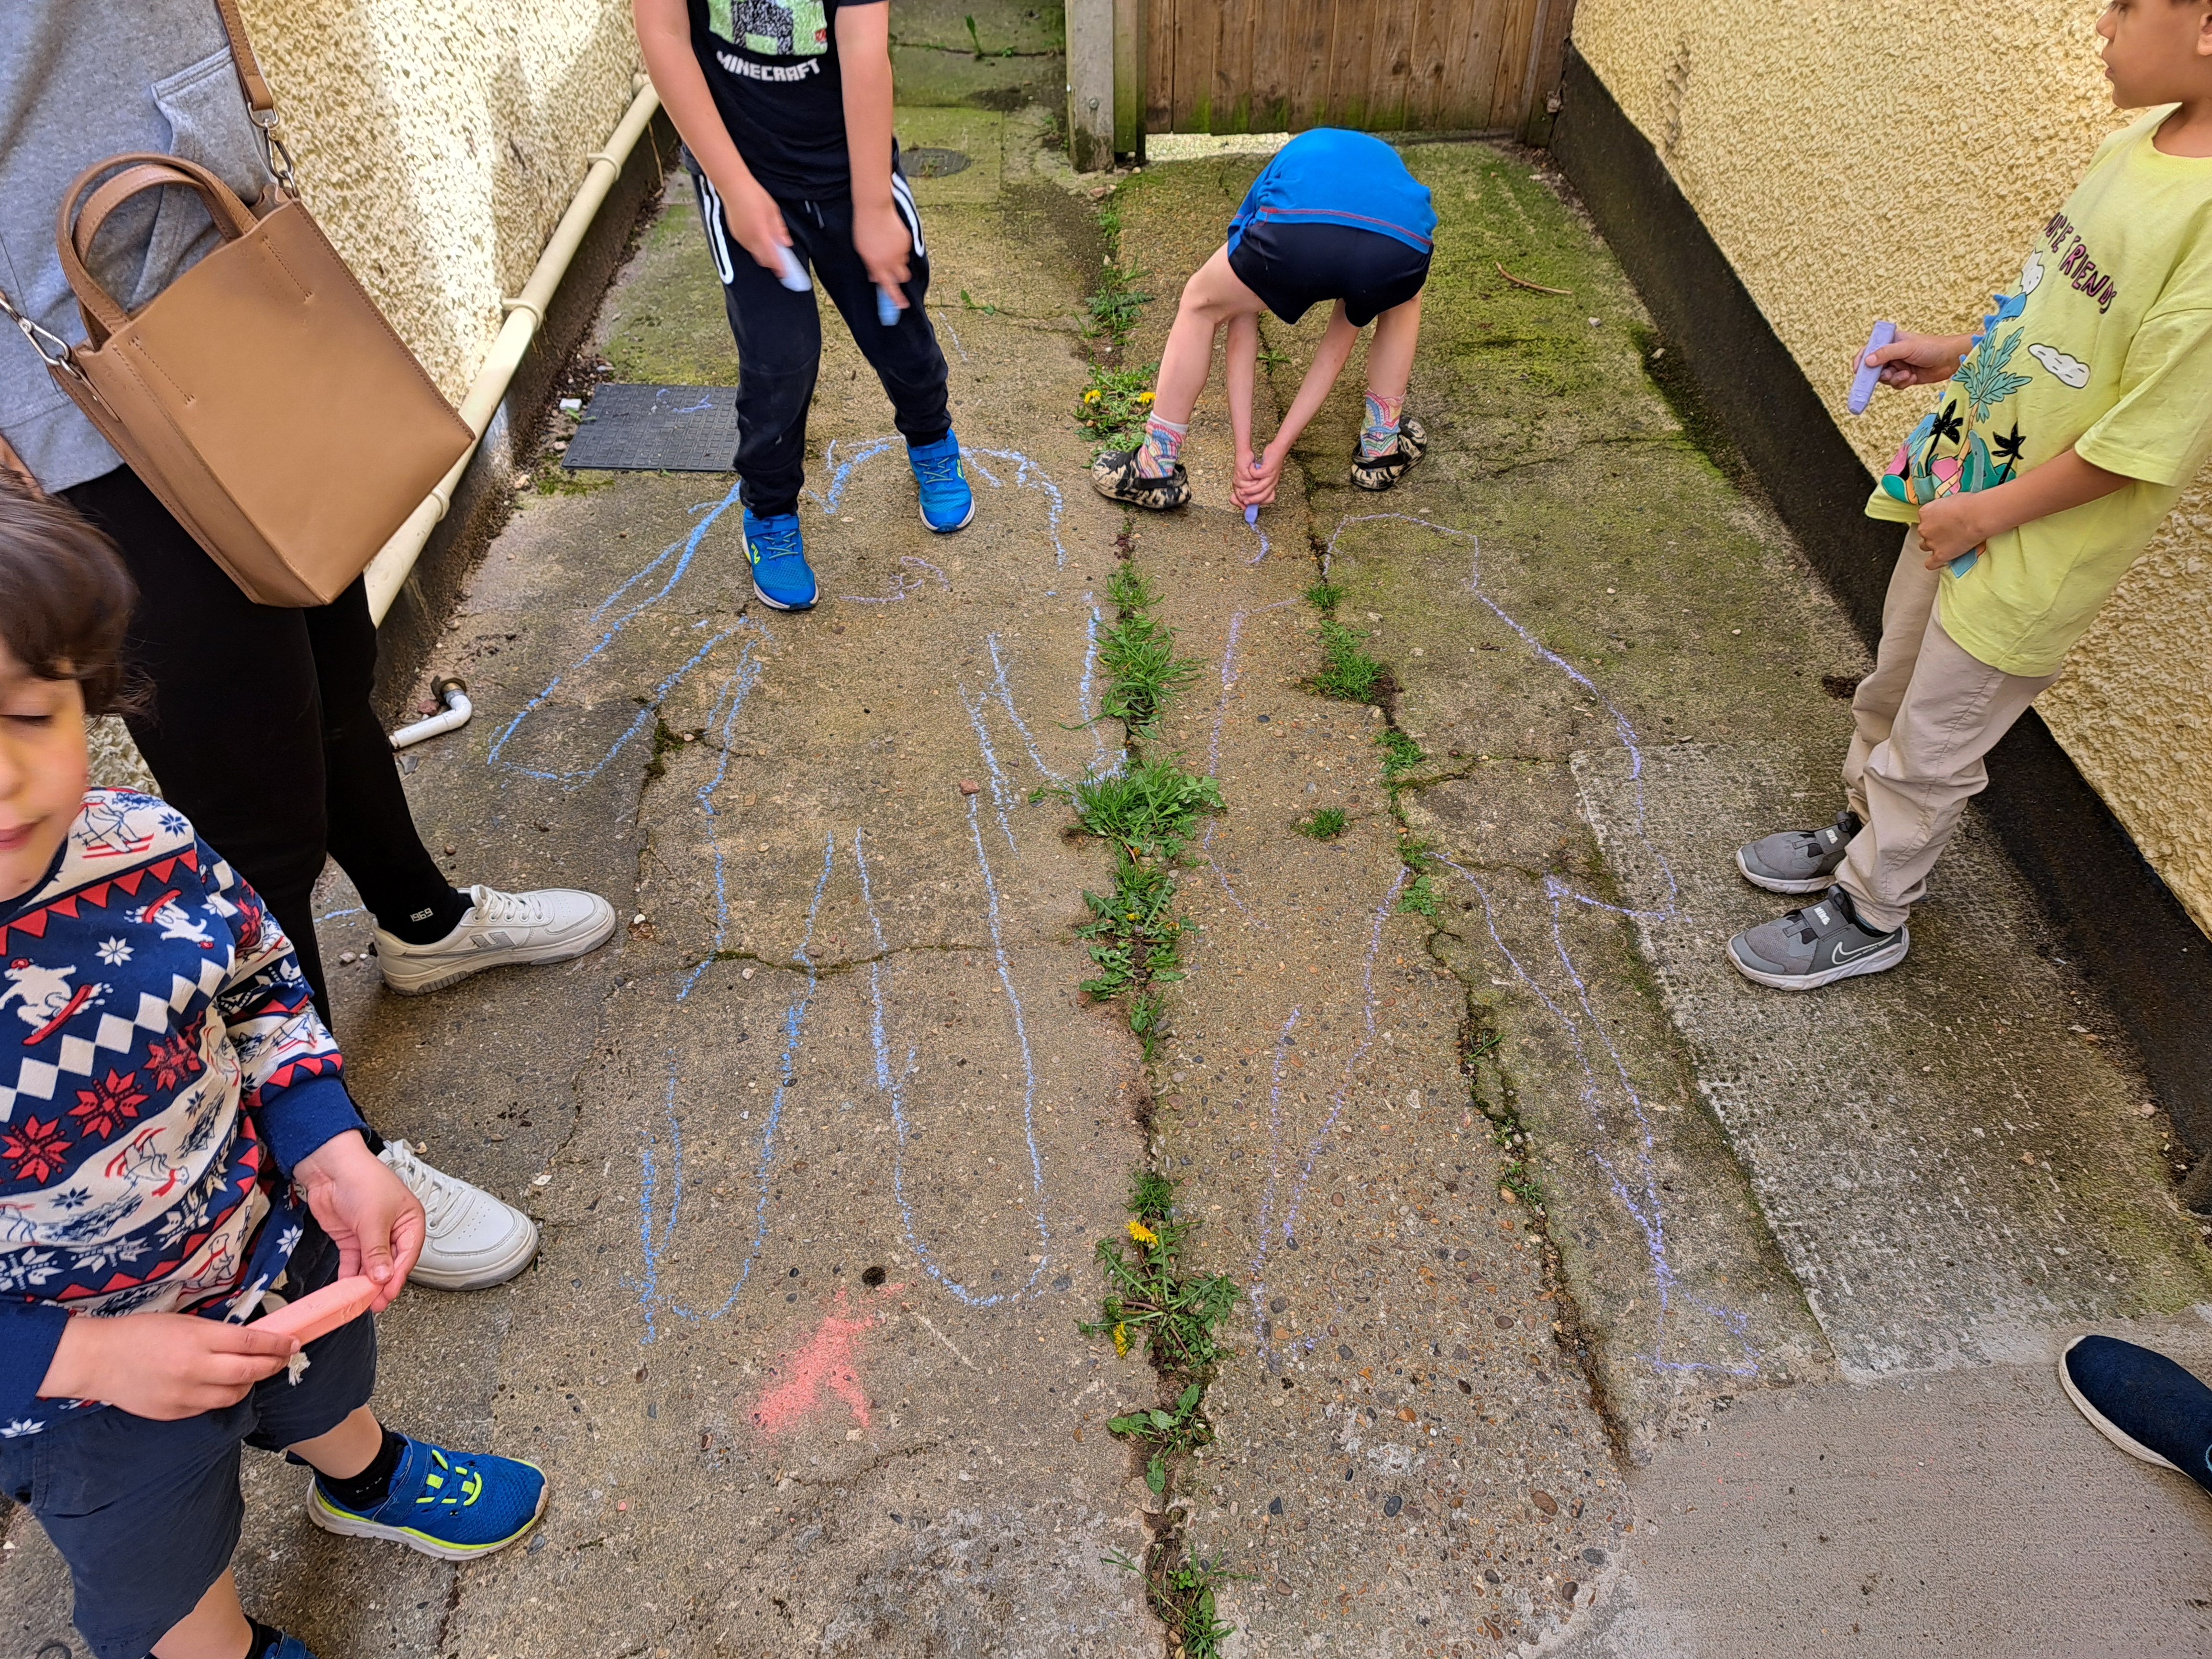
(1799, 861)
(1817, 945)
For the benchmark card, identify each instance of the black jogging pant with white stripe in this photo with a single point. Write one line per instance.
(779, 335)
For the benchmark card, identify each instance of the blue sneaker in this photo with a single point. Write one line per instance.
(2142, 1402)
(284, 1647)
(782, 576)
(947, 503)
(443, 1503)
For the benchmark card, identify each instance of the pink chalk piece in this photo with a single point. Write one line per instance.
(826, 1362)
(320, 1312)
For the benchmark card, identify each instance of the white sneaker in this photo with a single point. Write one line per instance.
(551, 924)
(475, 1240)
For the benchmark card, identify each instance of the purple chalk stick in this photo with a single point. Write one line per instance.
(1863, 382)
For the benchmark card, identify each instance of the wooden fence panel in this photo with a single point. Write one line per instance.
(1379, 65)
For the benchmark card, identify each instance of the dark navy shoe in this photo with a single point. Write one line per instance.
(2142, 1402)
(781, 575)
(947, 503)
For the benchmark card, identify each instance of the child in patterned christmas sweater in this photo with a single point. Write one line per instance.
(176, 1147)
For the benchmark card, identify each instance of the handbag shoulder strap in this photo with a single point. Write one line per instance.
(260, 102)
(259, 98)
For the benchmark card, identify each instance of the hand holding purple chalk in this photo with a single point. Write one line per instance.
(1863, 382)
(792, 275)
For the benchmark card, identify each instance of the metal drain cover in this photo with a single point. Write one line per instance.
(927, 163)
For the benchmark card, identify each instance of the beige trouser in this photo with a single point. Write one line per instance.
(1923, 719)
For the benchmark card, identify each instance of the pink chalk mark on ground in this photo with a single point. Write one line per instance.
(826, 1362)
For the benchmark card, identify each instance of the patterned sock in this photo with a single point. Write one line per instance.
(1162, 444)
(1379, 435)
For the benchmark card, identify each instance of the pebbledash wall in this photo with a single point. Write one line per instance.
(440, 140)
(1857, 159)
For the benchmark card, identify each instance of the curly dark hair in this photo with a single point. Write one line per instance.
(64, 598)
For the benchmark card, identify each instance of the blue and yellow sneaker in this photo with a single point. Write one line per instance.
(443, 1503)
(782, 576)
(947, 503)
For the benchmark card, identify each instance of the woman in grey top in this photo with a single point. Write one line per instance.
(258, 723)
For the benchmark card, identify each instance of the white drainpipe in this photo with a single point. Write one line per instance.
(454, 694)
(388, 572)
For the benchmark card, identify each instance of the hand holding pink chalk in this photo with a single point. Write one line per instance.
(320, 1312)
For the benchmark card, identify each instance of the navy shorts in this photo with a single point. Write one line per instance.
(1291, 266)
(146, 1513)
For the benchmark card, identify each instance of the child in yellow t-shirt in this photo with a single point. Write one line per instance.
(2064, 431)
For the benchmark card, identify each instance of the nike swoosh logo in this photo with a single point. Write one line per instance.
(1842, 955)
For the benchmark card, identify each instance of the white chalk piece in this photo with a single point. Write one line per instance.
(793, 274)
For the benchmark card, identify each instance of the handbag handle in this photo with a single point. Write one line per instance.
(74, 229)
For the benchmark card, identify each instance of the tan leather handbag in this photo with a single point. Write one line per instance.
(261, 395)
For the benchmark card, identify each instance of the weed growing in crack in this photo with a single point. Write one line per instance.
(1114, 405)
(1421, 898)
(1152, 808)
(1171, 1431)
(1139, 654)
(1347, 670)
(1115, 305)
(1324, 595)
(1400, 754)
(1182, 1593)
(1323, 824)
(1148, 1299)
(1134, 940)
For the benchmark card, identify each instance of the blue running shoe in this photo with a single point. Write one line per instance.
(782, 576)
(443, 1503)
(284, 1647)
(947, 503)
(2142, 1402)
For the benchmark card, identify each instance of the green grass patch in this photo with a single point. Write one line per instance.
(1152, 807)
(1421, 898)
(1139, 654)
(1400, 754)
(1324, 595)
(1323, 824)
(1149, 1301)
(1116, 405)
(1347, 670)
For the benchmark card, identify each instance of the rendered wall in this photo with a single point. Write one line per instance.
(1857, 159)
(439, 142)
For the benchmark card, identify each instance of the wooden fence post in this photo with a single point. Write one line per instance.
(1090, 84)
(1129, 72)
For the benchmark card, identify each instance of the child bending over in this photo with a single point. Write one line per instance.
(1335, 219)
(176, 1149)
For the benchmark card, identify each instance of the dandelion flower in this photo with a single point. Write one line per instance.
(1144, 397)
(1121, 1339)
(1091, 397)
(1142, 1234)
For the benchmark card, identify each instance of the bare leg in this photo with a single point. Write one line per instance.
(344, 1451)
(217, 1629)
(1390, 353)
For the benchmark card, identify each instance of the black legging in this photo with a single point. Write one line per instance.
(258, 726)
